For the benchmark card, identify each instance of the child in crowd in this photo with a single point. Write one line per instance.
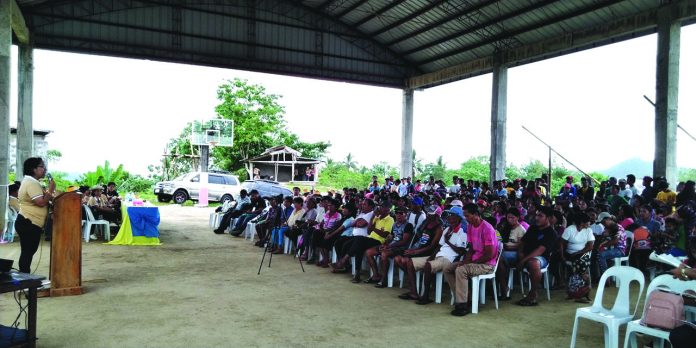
(609, 238)
(665, 241)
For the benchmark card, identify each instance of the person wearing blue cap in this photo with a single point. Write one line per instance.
(416, 216)
(480, 259)
(452, 245)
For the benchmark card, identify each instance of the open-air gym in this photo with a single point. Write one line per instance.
(516, 263)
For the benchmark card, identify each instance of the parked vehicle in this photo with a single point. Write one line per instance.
(221, 187)
(266, 188)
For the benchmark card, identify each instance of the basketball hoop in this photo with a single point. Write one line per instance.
(212, 133)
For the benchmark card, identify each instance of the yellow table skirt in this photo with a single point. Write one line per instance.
(125, 233)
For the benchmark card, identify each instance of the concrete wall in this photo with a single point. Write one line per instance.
(40, 149)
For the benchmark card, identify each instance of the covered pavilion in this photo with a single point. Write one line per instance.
(405, 44)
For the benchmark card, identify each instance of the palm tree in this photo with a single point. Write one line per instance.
(350, 163)
(416, 165)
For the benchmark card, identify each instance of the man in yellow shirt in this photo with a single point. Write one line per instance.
(665, 195)
(382, 224)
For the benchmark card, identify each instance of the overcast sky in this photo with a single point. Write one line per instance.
(589, 106)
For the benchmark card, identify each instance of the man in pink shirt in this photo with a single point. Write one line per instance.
(480, 259)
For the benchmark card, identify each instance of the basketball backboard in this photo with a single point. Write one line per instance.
(217, 132)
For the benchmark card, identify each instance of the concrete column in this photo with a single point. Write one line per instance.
(667, 91)
(25, 127)
(5, 53)
(407, 134)
(498, 123)
(205, 153)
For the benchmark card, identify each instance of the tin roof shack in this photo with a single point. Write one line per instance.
(283, 164)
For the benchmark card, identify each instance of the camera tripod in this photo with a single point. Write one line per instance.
(269, 244)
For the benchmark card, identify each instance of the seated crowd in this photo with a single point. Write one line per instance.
(103, 204)
(462, 230)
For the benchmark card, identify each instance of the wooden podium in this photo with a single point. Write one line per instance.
(66, 245)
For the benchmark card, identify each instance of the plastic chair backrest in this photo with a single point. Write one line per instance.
(667, 281)
(624, 276)
(90, 216)
(500, 252)
(226, 206)
(629, 244)
(11, 214)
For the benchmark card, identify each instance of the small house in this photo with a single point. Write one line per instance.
(283, 164)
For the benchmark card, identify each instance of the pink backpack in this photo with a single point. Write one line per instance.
(664, 310)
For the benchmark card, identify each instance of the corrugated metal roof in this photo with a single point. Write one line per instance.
(396, 43)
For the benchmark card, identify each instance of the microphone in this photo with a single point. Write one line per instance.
(49, 177)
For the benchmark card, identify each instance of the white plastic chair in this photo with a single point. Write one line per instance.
(362, 267)
(91, 221)
(438, 286)
(623, 260)
(511, 274)
(9, 232)
(478, 286)
(620, 313)
(665, 281)
(390, 273)
(544, 274)
(390, 270)
(216, 217)
(214, 220)
(288, 245)
(249, 230)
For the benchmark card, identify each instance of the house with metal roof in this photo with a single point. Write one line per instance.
(283, 164)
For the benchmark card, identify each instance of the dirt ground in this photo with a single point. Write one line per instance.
(199, 289)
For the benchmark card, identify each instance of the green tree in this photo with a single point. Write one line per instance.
(437, 169)
(350, 163)
(104, 174)
(418, 166)
(475, 168)
(181, 157)
(686, 174)
(513, 172)
(258, 120)
(53, 155)
(534, 169)
(259, 124)
(311, 150)
(336, 175)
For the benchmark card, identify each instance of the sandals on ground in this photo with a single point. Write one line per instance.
(424, 301)
(407, 296)
(527, 303)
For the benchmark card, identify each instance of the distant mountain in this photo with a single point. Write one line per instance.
(635, 166)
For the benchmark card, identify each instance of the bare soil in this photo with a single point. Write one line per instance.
(199, 289)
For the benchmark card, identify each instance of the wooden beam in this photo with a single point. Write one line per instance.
(643, 23)
(19, 27)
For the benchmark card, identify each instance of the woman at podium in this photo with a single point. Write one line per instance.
(33, 209)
